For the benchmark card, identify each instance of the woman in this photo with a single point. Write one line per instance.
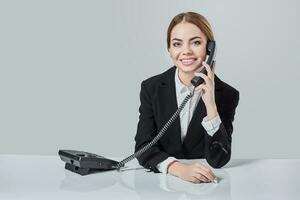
(204, 127)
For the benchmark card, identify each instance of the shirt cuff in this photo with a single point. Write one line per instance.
(163, 166)
(211, 126)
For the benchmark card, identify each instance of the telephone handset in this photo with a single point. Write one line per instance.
(211, 52)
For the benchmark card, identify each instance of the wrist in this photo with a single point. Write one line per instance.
(212, 111)
(174, 168)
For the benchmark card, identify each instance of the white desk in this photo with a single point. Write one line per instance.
(44, 177)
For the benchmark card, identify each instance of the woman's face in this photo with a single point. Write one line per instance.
(187, 47)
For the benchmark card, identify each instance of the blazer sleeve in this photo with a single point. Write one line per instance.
(146, 131)
(218, 150)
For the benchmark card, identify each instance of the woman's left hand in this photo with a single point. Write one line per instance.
(208, 89)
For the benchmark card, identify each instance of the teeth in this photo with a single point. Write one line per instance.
(187, 61)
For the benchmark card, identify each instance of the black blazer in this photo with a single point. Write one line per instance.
(158, 103)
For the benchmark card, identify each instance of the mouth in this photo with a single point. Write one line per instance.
(188, 61)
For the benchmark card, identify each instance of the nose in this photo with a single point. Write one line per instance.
(186, 49)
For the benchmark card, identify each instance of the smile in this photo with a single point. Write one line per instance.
(188, 61)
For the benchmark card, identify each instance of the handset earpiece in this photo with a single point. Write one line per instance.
(211, 52)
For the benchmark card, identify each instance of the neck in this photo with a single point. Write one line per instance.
(186, 78)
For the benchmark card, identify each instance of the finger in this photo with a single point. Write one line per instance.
(206, 172)
(210, 73)
(198, 178)
(202, 87)
(206, 168)
(206, 78)
(209, 172)
(195, 180)
(202, 178)
(207, 67)
(200, 69)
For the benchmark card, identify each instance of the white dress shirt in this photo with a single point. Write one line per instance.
(186, 114)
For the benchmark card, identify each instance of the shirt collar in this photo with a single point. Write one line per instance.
(179, 85)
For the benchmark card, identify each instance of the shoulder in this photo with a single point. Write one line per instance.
(160, 79)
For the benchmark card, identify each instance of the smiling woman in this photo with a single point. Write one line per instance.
(204, 127)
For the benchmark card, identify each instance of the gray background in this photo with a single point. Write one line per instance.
(71, 71)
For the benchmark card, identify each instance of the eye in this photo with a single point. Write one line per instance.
(197, 43)
(176, 44)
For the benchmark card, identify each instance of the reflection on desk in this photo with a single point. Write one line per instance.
(44, 177)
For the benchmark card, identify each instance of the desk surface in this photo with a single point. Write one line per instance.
(44, 177)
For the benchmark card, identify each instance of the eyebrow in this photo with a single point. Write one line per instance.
(189, 40)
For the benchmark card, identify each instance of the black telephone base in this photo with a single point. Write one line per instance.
(84, 163)
(79, 170)
(83, 170)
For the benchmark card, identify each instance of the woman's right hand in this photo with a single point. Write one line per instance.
(196, 172)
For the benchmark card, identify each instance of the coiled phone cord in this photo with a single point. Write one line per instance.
(159, 135)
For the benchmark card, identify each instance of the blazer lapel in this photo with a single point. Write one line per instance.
(168, 106)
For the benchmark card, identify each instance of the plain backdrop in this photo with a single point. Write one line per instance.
(70, 72)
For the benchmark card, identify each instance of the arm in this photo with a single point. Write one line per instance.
(146, 131)
(218, 150)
